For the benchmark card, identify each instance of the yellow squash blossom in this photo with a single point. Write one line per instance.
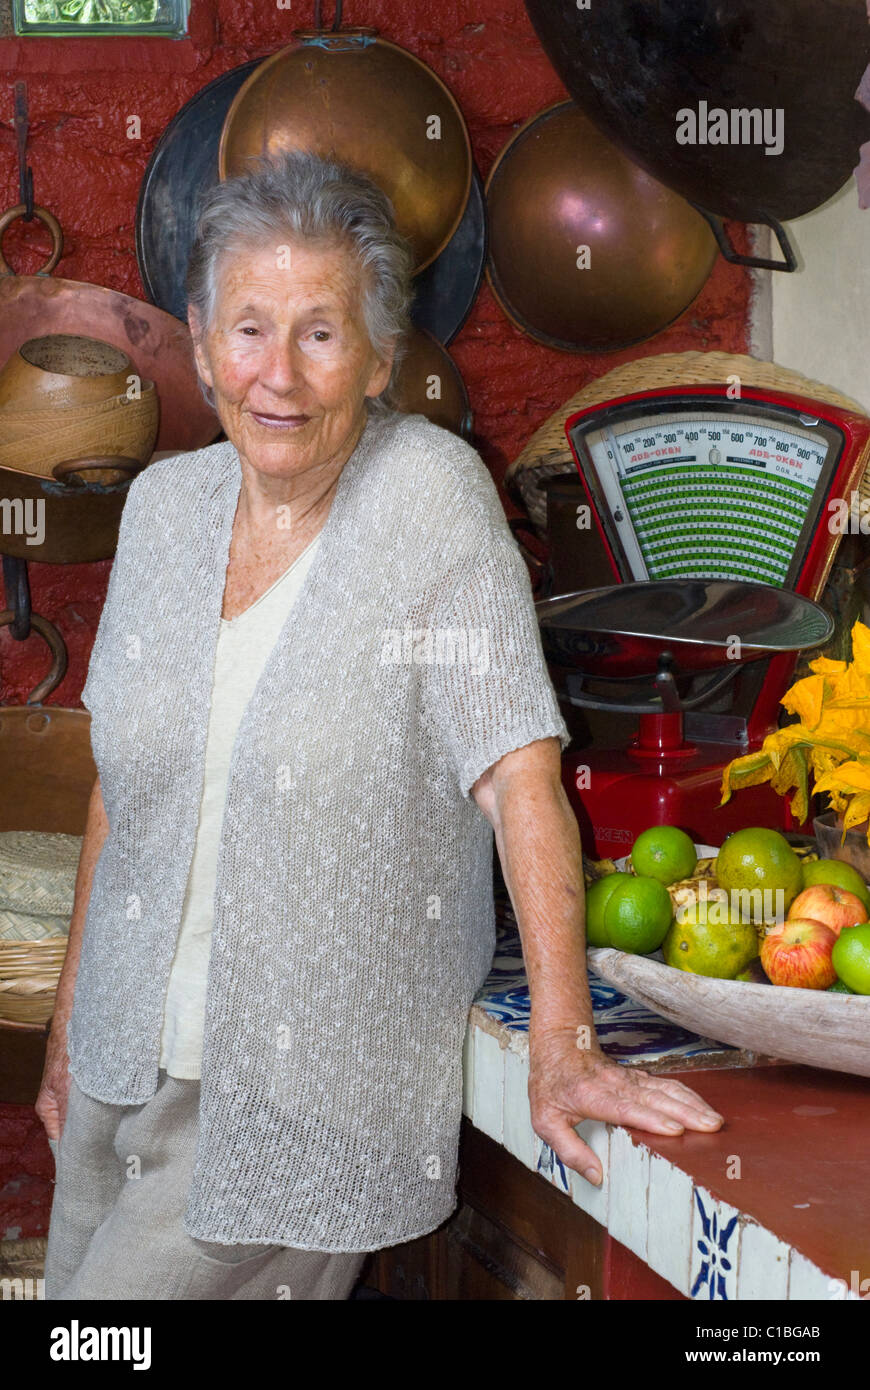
(830, 743)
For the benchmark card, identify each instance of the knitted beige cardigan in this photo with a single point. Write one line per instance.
(353, 912)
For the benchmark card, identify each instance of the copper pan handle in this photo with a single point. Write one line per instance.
(51, 223)
(717, 227)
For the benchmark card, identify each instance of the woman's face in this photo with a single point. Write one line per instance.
(288, 357)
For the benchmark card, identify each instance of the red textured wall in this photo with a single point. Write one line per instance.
(87, 172)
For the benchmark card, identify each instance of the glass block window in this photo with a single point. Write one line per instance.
(59, 17)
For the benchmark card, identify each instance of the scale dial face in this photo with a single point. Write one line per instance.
(708, 487)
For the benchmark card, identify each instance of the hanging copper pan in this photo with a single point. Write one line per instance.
(184, 165)
(588, 253)
(32, 306)
(429, 384)
(373, 105)
(634, 67)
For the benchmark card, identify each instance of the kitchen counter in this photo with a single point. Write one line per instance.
(776, 1205)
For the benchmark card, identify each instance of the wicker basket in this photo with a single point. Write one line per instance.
(29, 972)
(548, 453)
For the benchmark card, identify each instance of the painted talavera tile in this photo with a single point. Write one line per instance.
(551, 1167)
(629, 1188)
(715, 1248)
(595, 1201)
(670, 1218)
(519, 1137)
(468, 1071)
(763, 1268)
(807, 1283)
(488, 1085)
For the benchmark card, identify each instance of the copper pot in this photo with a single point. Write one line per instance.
(560, 186)
(352, 96)
(429, 384)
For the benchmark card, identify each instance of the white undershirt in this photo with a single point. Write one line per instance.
(244, 645)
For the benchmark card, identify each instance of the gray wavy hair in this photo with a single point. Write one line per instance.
(298, 195)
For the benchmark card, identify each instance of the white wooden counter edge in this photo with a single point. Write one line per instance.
(648, 1203)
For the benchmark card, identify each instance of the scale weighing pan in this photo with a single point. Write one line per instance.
(685, 626)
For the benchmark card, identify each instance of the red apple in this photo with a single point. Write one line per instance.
(824, 902)
(798, 953)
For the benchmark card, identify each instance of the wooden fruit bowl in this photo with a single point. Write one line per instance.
(810, 1026)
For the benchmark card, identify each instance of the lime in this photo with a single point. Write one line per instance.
(637, 915)
(709, 940)
(597, 898)
(851, 957)
(838, 987)
(839, 875)
(665, 853)
(761, 867)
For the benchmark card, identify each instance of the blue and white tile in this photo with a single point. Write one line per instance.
(670, 1218)
(519, 1137)
(629, 1188)
(488, 1085)
(628, 1032)
(763, 1270)
(595, 1201)
(715, 1249)
(551, 1167)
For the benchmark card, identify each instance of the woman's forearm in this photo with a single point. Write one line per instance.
(96, 829)
(538, 843)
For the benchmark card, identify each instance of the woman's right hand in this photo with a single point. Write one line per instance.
(53, 1095)
(54, 1088)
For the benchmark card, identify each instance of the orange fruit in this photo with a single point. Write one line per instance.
(706, 939)
(664, 852)
(760, 866)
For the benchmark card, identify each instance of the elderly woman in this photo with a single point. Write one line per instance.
(316, 690)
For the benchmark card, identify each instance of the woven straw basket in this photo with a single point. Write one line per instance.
(29, 972)
(548, 453)
(37, 891)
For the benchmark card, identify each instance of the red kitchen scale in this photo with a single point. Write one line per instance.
(715, 514)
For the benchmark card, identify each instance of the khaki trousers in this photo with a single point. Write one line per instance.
(114, 1235)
